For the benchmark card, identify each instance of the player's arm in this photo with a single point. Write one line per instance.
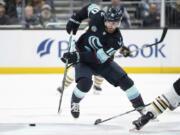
(76, 19)
(97, 57)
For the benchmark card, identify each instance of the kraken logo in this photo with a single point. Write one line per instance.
(94, 42)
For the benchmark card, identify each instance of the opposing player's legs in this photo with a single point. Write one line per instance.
(97, 84)
(69, 79)
(170, 99)
(115, 75)
(83, 76)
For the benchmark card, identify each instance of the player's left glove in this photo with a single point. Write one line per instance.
(72, 25)
(72, 57)
(125, 51)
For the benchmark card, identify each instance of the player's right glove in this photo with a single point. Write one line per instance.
(72, 57)
(125, 51)
(72, 25)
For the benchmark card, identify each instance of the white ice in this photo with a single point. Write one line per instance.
(28, 99)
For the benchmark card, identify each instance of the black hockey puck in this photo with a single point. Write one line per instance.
(97, 121)
(32, 124)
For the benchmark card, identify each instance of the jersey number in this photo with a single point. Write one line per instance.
(95, 10)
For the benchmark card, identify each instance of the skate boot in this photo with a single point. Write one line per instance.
(143, 120)
(75, 109)
(97, 90)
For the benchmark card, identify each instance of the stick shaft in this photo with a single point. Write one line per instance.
(65, 74)
(120, 115)
(161, 39)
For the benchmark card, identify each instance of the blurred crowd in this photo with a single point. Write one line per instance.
(41, 13)
(36, 13)
(149, 12)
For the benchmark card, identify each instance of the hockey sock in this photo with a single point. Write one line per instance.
(69, 80)
(77, 95)
(170, 99)
(135, 97)
(83, 86)
(98, 81)
(70, 77)
(158, 106)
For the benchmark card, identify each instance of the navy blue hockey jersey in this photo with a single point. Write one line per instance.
(96, 45)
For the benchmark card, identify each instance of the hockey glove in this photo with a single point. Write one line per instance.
(72, 25)
(125, 51)
(72, 57)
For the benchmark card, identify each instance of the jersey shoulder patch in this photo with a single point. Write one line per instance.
(118, 39)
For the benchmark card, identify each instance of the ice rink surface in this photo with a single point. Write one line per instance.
(26, 99)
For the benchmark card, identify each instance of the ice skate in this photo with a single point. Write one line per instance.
(75, 109)
(143, 120)
(97, 90)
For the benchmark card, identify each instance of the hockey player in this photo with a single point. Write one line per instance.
(70, 79)
(98, 80)
(94, 55)
(170, 99)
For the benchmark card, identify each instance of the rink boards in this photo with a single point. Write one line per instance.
(39, 51)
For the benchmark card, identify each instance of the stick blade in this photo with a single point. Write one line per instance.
(97, 121)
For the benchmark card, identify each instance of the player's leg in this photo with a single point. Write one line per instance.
(97, 84)
(115, 75)
(170, 99)
(69, 79)
(83, 75)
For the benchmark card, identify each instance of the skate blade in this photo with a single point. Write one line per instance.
(59, 112)
(155, 120)
(96, 92)
(133, 130)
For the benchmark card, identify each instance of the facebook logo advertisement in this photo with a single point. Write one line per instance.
(156, 51)
(45, 48)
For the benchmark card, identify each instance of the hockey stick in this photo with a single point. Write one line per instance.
(98, 121)
(165, 29)
(65, 73)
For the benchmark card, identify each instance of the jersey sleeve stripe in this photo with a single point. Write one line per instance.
(93, 8)
(101, 55)
(96, 57)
